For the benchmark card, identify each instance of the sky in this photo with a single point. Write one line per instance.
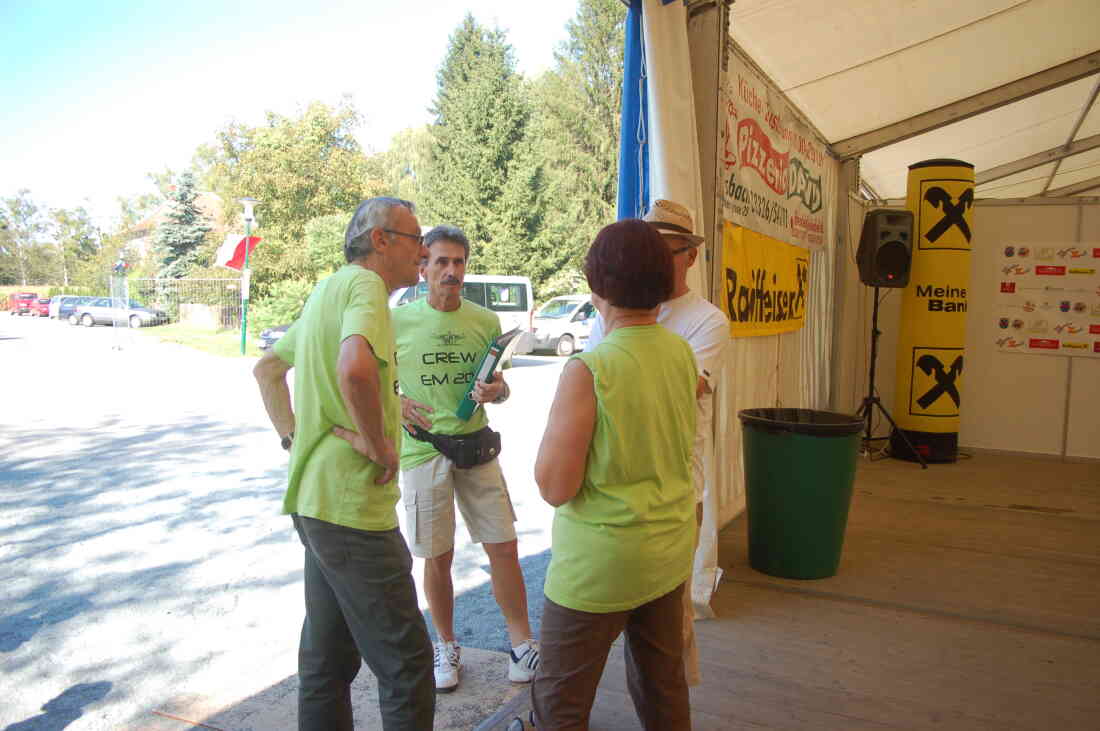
(93, 96)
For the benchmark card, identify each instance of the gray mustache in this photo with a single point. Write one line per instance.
(450, 280)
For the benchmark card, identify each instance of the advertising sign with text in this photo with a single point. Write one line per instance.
(775, 177)
(1048, 300)
(764, 284)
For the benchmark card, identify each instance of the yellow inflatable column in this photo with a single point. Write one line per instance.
(932, 329)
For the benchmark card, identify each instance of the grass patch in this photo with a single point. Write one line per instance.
(223, 342)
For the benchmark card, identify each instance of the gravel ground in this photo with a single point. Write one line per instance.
(142, 553)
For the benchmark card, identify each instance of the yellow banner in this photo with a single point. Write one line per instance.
(766, 282)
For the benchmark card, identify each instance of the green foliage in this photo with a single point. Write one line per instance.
(402, 168)
(85, 291)
(481, 114)
(300, 168)
(179, 238)
(577, 132)
(24, 259)
(78, 243)
(325, 243)
(281, 306)
(564, 281)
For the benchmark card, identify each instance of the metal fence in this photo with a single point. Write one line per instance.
(214, 304)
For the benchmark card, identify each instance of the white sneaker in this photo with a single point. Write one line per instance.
(524, 662)
(446, 666)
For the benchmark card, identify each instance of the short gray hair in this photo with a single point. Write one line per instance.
(448, 233)
(371, 214)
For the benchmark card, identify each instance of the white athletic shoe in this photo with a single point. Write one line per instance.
(524, 662)
(446, 666)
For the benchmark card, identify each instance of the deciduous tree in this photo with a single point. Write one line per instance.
(77, 240)
(300, 167)
(28, 258)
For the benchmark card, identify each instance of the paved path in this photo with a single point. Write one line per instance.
(142, 553)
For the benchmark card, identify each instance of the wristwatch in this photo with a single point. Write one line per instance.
(288, 440)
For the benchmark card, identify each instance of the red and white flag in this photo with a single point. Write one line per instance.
(231, 253)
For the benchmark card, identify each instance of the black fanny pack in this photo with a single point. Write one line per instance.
(465, 450)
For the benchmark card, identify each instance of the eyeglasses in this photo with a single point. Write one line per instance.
(417, 237)
(688, 244)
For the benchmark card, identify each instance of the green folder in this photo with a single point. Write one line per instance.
(501, 346)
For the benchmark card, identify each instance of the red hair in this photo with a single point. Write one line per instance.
(629, 265)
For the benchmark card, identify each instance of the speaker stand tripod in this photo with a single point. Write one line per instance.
(871, 400)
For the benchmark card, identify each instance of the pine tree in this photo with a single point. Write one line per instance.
(179, 238)
(577, 131)
(481, 115)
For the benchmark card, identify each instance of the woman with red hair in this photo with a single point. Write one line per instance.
(615, 461)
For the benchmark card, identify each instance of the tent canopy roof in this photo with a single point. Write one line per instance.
(1008, 85)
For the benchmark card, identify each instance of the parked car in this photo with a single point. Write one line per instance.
(508, 296)
(111, 311)
(41, 307)
(63, 305)
(563, 323)
(20, 303)
(271, 335)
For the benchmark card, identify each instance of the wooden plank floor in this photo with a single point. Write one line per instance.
(968, 597)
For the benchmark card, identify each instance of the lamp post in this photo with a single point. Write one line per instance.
(246, 278)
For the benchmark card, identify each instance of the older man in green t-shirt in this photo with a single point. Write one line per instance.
(440, 342)
(342, 433)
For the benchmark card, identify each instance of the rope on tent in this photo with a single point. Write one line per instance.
(641, 137)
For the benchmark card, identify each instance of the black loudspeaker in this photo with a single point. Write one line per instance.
(885, 248)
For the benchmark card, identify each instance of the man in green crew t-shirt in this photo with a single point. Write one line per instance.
(342, 433)
(440, 343)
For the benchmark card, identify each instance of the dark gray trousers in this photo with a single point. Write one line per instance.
(361, 606)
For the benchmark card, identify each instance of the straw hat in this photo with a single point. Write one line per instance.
(672, 219)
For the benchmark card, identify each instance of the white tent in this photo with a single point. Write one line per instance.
(1007, 85)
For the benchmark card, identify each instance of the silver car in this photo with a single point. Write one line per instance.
(113, 311)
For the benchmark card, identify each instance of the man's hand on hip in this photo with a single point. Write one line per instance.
(414, 412)
(385, 457)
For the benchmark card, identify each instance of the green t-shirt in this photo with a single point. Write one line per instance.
(627, 537)
(439, 353)
(329, 480)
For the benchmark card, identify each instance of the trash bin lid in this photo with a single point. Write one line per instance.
(802, 421)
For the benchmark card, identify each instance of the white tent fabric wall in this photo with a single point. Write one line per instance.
(674, 174)
(789, 370)
(673, 143)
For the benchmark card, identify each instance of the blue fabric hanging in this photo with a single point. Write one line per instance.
(633, 198)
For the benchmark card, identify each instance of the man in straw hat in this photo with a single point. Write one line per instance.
(706, 330)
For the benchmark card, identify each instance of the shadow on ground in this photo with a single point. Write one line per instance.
(478, 621)
(484, 687)
(118, 542)
(61, 711)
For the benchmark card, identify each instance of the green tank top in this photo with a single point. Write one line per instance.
(628, 535)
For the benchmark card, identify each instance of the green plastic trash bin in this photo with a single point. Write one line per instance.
(799, 468)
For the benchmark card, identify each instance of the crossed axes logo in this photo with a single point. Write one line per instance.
(952, 212)
(945, 379)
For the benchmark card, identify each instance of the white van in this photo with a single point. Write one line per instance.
(563, 324)
(508, 296)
